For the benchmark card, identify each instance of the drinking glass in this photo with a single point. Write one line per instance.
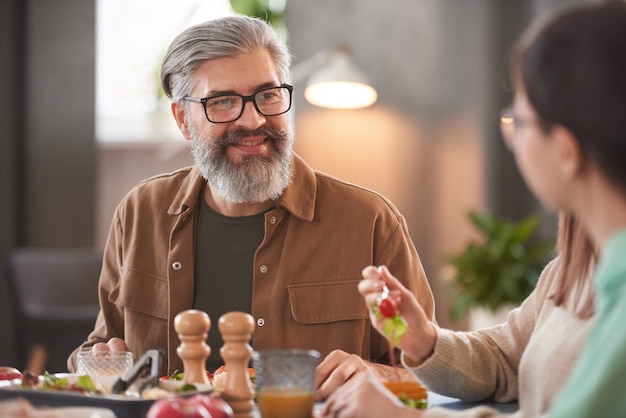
(104, 363)
(285, 382)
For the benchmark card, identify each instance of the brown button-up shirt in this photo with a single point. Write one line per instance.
(319, 237)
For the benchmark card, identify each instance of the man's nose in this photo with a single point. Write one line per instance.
(251, 118)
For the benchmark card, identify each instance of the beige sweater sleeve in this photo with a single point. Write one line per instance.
(483, 365)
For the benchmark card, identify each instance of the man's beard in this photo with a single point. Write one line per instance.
(257, 178)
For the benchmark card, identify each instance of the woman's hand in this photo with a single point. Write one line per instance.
(364, 396)
(418, 341)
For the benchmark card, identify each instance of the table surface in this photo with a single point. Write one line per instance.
(435, 399)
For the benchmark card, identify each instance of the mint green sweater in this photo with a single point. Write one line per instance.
(597, 386)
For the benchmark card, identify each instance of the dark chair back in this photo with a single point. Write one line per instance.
(57, 295)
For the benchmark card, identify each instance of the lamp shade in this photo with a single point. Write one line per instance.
(340, 84)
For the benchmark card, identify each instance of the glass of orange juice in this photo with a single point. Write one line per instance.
(285, 382)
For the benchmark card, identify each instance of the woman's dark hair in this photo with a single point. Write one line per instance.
(572, 69)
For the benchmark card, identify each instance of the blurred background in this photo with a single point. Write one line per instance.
(82, 117)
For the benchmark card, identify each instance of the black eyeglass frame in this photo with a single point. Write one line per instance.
(244, 100)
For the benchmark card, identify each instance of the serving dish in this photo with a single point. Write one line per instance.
(127, 405)
(129, 396)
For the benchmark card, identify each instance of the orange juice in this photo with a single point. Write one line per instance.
(291, 403)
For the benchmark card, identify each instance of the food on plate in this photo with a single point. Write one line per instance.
(196, 406)
(178, 375)
(166, 389)
(219, 378)
(50, 382)
(171, 383)
(29, 378)
(10, 373)
(85, 384)
(411, 393)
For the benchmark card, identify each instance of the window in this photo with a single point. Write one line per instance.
(131, 39)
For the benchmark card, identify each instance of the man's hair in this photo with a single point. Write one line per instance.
(224, 37)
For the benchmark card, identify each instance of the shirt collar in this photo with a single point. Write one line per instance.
(298, 198)
(188, 193)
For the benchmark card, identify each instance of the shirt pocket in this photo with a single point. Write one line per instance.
(326, 302)
(142, 292)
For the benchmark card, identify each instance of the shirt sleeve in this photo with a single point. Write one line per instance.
(109, 315)
(483, 364)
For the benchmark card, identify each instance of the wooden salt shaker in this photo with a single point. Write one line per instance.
(193, 327)
(236, 329)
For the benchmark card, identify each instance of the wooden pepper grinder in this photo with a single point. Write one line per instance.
(193, 327)
(236, 329)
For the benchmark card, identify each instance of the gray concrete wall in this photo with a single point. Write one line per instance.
(59, 165)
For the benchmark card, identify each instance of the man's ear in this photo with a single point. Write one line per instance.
(178, 111)
(568, 152)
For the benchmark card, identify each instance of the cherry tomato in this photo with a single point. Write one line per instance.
(387, 308)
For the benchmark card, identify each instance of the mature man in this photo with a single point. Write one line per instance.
(250, 227)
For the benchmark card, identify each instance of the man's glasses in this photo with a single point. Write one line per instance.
(224, 108)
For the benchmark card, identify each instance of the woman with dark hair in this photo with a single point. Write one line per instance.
(571, 90)
(523, 359)
(569, 139)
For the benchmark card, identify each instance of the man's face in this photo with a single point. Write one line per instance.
(247, 160)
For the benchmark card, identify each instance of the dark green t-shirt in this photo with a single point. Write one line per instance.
(225, 248)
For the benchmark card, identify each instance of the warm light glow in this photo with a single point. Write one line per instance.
(337, 83)
(340, 94)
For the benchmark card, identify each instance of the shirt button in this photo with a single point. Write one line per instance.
(273, 220)
(263, 269)
(177, 265)
(260, 322)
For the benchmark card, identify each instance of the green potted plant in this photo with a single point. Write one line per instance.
(500, 269)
